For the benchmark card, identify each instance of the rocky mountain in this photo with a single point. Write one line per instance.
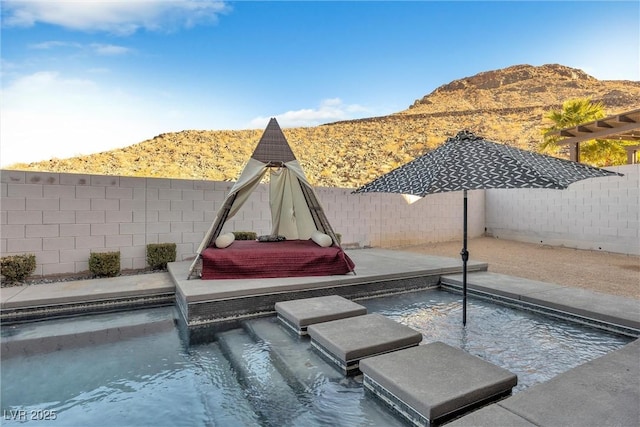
(504, 105)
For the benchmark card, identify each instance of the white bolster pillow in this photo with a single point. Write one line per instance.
(321, 239)
(225, 240)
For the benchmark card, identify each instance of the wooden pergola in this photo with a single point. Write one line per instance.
(624, 126)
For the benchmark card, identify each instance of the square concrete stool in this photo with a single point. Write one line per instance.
(433, 383)
(344, 342)
(299, 314)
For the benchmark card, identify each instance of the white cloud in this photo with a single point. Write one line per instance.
(122, 17)
(46, 115)
(97, 48)
(329, 110)
(52, 44)
(109, 49)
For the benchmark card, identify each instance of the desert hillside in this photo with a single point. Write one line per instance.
(504, 105)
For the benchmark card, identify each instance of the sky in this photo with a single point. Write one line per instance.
(80, 77)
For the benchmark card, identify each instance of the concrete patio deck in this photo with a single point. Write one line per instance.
(605, 391)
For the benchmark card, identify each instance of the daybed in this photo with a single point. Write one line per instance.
(290, 258)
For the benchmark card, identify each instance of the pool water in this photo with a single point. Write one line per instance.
(532, 346)
(260, 374)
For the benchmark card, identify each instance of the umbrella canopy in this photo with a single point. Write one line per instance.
(469, 162)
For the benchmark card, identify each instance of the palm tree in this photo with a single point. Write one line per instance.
(574, 112)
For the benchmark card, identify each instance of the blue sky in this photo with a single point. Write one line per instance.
(80, 77)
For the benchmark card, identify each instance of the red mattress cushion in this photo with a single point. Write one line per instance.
(246, 259)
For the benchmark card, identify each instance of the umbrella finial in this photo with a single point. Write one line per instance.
(467, 134)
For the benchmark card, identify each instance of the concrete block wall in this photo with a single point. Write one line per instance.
(62, 218)
(387, 220)
(596, 214)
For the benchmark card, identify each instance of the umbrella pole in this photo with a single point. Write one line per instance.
(465, 257)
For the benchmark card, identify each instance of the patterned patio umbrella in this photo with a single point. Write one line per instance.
(469, 162)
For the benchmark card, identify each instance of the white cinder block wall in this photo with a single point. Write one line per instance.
(380, 219)
(62, 218)
(598, 213)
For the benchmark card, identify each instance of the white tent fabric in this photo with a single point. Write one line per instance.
(247, 182)
(290, 214)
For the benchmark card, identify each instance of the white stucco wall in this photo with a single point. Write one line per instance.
(598, 213)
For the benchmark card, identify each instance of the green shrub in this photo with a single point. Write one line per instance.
(159, 254)
(245, 235)
(104, 264)
(15, 268)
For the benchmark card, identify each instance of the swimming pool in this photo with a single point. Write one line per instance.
(260, 374)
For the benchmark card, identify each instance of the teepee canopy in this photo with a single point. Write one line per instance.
(295, 210)
(273, 146)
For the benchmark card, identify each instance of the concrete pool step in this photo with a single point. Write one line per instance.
(221, 385)
(345, 342)
(312, 375)
(435, 382)
(269, 393)
(300, 313)
(292, 355)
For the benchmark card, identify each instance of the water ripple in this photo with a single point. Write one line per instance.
(533, 346)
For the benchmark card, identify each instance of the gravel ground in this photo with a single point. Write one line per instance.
(605, 272)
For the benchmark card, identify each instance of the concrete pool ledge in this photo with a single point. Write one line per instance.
(378, 272)
(37, 302)
(599, 307)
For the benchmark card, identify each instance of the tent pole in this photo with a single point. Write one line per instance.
(465, 257)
